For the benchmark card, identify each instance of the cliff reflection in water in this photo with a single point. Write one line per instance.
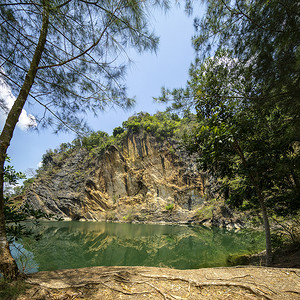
(85, 244)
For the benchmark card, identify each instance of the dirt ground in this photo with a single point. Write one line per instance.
(164, 283)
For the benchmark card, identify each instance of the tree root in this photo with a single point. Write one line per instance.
(158, 290)
(254, 290)
(231, 278)
(124, 292)
(293, 292)
(167, 287)
(244, 276)
(252, 287)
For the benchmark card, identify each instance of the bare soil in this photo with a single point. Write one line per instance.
(164, 283)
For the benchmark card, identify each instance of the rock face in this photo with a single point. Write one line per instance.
(140, 181)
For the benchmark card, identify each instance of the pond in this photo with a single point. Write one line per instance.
(66, 245)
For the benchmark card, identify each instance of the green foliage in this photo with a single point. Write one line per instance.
(81, 57)
(16, 212)
(244, 146)
(206, 212)
(47, 158)
(162, 125)
(238, 259)
(129, 218)
(28, 182)
(264, 37)
(117, 131)
(263, 79)
(11, 176)
(12, 290)
(97, 142)
(95, 139)
(171, 150)
(170, 207)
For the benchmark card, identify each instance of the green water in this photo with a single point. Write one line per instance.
(85, 244)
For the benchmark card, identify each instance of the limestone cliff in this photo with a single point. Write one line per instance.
(140, 180)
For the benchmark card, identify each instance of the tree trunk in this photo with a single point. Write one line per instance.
(8, 266)
(261, 200)
(266, 226)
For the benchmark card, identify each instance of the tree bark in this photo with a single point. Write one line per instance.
(266, 226)
(261, 200)
(8, 266)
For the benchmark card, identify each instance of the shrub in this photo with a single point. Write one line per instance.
(11, 290)
(118, 130)
(128, 218)
(205, 212)
(170, 207)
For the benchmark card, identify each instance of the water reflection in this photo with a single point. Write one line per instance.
(85, 244)
(24, 258)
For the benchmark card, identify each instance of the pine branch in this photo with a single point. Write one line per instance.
(89, 48)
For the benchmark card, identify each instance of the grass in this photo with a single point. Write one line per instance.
(10, 290)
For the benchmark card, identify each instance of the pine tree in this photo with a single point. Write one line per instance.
(68, 57)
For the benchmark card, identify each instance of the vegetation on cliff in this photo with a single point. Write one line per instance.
(162, 125)
(143, 164)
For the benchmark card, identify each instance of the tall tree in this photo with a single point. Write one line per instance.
(264, 36)
(230, 137)
(247, 100)
(67, 56)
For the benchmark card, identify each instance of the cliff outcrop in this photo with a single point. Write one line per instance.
(139, 180)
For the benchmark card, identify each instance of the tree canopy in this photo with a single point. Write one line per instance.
(68, 57)
(83, 56)
(244, 86)
(264, 37)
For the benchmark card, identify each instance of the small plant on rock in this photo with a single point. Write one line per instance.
(170, 207)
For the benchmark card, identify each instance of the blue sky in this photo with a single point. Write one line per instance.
(145, 77)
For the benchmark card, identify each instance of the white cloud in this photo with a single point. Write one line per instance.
(25, 120)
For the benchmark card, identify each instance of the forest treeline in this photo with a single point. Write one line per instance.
(162, 125)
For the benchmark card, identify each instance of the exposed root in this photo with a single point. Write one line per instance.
(293, 292)
(167, 285)
(296, 273)
(231, 278)
(124, 292)
(250, 287)
(254, 290)
(158, 290)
